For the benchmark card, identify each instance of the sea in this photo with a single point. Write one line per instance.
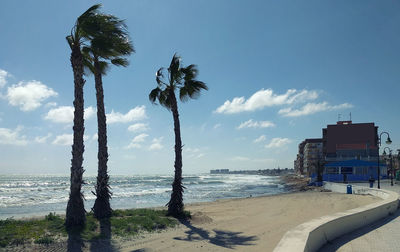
(27, 196)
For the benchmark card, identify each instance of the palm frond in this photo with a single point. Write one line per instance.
(165, 98)
(89, 12)
(120, 62)
(154, 94)
(103, 67)
(160, 76)
(190, 72)
(191, 89)
(87, 61)
(88, 67)
(162, 96)
(86, 25)
(111, 41)
(182, 78)
(174, 70)
(70, 41)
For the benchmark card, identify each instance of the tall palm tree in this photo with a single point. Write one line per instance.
(182, 79)
(84, 29)
(110, 46)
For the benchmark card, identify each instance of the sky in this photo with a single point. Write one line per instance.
(277, 71)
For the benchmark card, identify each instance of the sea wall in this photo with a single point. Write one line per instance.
(312, 235)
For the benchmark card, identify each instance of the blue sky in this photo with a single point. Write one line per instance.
(277, 72)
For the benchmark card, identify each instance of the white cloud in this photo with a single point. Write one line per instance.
(12, 137)
(66, 139)
(265, 98)
(139, 127)
(156, 144)
(261, 138)
(193, 153)
(89, 112)
(278, 142)
(65, 114)
(216, 126)
(312, 108)
(42, 139)
(140, 138)
(50, 104)
(135, 143)
(3, 75)
(29, 95)
(95, 137)
(254, 124)
(239, 158)
(135, 114)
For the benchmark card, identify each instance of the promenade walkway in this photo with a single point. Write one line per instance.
(383, 235)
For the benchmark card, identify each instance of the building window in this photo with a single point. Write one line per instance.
(332, 170)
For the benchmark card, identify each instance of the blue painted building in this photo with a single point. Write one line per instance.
(349, 153)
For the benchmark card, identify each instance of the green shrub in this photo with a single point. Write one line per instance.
(46, 240)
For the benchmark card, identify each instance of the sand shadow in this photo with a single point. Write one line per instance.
(222, 238)
(339, 242)
(103, 242)
(75, 242)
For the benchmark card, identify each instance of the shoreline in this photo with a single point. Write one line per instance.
(291, 183)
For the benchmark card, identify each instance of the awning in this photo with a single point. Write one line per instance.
(353, 163)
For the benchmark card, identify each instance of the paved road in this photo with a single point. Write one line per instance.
(383, 235)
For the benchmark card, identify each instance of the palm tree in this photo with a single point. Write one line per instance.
(109, 46)
(184, 80)
(83, 30)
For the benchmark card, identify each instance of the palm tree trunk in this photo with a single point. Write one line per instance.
(101, 208)
(75, 216)
(175, 205)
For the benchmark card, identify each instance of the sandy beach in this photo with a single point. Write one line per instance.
(251, 224)
(246, 224)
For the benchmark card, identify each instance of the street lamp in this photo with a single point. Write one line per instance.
(398, 160)
(388, 141)
(391, 163)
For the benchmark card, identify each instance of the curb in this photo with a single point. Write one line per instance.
(312, 235)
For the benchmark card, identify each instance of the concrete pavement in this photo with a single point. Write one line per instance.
(383, 235)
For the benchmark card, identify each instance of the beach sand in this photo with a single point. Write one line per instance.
(251, 224)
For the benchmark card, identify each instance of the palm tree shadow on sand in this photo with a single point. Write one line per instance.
(101, 244)
(222, 238)
(75, 242)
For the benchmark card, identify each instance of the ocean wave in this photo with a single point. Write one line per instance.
(27, 194)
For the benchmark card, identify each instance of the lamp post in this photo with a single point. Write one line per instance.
(390, 163)
(398, 159)
(388, 141)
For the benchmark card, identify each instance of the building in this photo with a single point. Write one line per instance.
(342, 141)
(313, 156)
(346, 140)
(310, 153)
(220, 171)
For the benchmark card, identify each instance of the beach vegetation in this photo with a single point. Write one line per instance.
(124, 223)
(45, 240)
(109, 46)
(182, 79)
